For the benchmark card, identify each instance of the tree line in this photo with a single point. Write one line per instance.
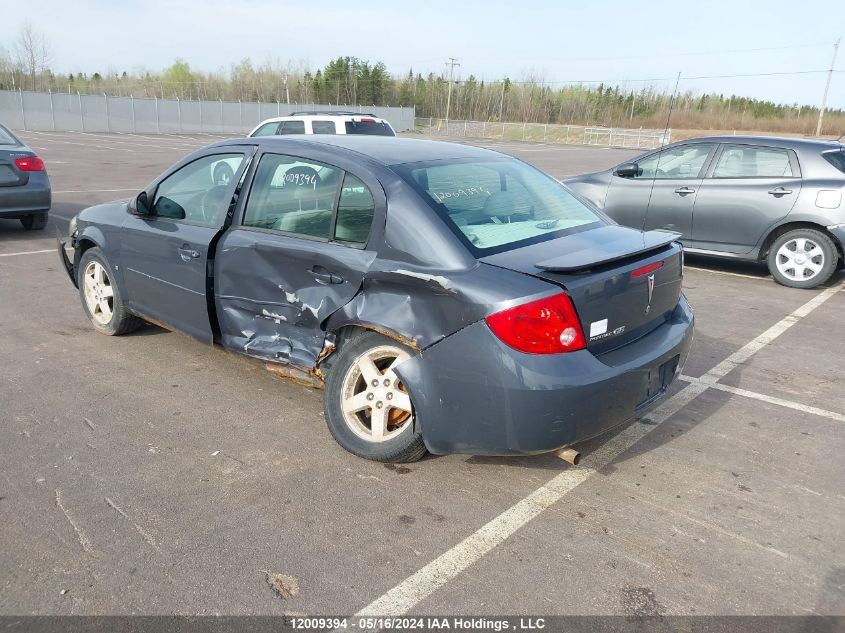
(353, 81)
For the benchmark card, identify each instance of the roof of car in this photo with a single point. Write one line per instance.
(299, 116)
(790, 142)
(388, 150)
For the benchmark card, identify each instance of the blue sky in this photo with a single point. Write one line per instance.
(618, 42)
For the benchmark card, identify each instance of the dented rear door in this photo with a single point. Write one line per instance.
(293, 260)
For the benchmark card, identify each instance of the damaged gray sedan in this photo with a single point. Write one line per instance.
(448, 298)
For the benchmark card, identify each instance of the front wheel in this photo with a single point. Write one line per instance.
(803, 258)
(101, 298)
(368, 408)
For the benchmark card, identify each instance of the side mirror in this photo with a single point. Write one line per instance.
(627, 170)
(139, 205)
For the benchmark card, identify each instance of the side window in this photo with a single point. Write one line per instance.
(741, 161)
(681, 162)
(323, 127)
(292, 127)
(268, 129)
(355, 210)
(197, 192)
(293, 196)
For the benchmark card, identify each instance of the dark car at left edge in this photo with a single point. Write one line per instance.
(24, 186)
(449, 299)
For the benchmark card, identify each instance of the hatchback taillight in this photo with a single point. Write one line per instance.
(545, 326)
(30, 163)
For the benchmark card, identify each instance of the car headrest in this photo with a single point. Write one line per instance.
(503, 204)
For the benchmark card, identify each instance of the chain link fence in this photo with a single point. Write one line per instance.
(546, 133)
(61, 111)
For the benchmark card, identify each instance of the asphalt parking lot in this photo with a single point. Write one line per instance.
(149, 474)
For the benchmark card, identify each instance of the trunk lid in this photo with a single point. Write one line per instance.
(623, 283)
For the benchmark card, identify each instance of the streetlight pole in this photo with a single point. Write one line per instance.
(827, 87)
(452, 63)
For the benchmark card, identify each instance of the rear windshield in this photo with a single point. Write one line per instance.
(498, 205)
(6, 137)
(837, 159)
(377, 128)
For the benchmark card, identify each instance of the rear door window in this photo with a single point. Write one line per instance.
(292, 195)
(323, 127)
(355, 209)
(292, 127)
(743, 161)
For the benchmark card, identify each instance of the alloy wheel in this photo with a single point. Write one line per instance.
(99, 294)
(800, 259)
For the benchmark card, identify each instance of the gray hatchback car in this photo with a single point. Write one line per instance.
(766, 199)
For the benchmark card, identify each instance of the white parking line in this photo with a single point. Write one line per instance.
(49, 250)
(724, 272)
(97, 190)
(789, 404)
(411, 591)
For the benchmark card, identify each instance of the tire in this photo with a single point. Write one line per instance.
(34, 222)
(803, 258)
(398, 440)
(223, 174)
(101, 298)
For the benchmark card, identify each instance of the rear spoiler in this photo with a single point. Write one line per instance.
(609, 251)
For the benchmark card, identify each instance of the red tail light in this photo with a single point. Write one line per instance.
(648, 268)
(367, 120)
(30, 163)
(545, 326)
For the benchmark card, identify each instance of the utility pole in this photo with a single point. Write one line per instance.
(502, 101)
(827, 87)
(452, 63)
(287, 92)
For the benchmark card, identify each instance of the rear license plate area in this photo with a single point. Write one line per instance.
(658, 380)
(7, 176)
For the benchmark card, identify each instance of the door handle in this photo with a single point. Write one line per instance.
(684, 190)
(780, 191)
(187, 253)
(324, 276)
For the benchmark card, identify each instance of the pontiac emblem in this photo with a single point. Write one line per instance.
(650, 293)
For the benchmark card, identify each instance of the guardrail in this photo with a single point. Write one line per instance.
(546, 133)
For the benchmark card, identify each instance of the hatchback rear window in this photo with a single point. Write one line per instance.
(371, 126)
(498, 205)
(837, 159)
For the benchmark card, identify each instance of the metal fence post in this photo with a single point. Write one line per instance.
(566, 140)
(524, 123)
(484, 128)
(199, 103)
(81, 115)
(132, 101)
(240, 115)
(108, 114)
(179, 110)
(222, 127)
(52, 111)
(158, 121)
(465, 127)
(503, 129)
(23, 112)
(639, 136)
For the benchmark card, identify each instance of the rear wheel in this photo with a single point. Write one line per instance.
(101, 298)
(34, 222)
(368, 408)
(803, 258)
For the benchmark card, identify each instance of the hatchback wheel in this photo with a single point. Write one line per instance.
(368, 409)
(803, 258)
(34, 222)
(100, 296)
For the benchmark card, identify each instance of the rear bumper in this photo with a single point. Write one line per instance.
(474, 394)
(33, 197)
